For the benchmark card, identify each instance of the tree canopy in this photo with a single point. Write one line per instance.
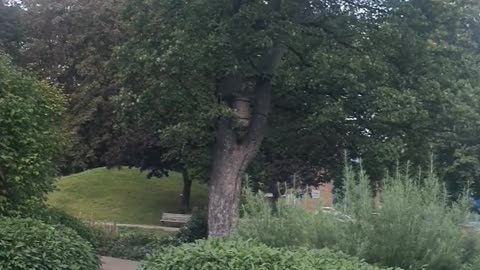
(70, 44)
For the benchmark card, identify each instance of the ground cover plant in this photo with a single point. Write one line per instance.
(247, 255)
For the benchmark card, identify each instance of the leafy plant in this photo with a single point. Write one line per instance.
(134, 245)
(415, 226)
(130, 244)
(27, 244)
(195, 229)
(30, 138)
(247, 255)
(55, 216)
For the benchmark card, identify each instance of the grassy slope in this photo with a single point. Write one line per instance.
(122, 196)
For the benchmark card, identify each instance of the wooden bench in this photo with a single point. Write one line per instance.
(174, 220)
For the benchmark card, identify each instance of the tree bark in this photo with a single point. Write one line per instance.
(236, 147)
(229, 164)
(232, 154)
(187, 187)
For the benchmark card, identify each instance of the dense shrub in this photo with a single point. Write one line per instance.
(415, 227)
(30, 138)
(134, 245)
(27, 244)
(195, 229)
(55, 216)
(247, 255)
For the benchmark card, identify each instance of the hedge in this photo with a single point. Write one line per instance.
(247, 255)
(27, 244)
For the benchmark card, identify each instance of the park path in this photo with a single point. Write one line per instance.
(109, 263)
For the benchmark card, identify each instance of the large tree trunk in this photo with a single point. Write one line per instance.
(239, 138)
(233, 153)
(187, 187)
(229, 164)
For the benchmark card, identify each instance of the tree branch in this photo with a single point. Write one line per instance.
(299, 56)
(333, 35)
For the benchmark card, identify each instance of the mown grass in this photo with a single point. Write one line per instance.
(122, 195)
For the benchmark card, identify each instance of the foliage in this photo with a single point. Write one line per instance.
(415, 227)
(30, 136)
(55, 216)
(70, 44)
(10, 30)
(132, 244)
(383, 101)
(29, 244)
(104, 240)
(195, 229)
(135, 245)
(237, 255)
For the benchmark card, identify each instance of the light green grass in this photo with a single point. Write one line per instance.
(122, 196)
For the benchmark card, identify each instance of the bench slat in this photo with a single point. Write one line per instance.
(176, 219)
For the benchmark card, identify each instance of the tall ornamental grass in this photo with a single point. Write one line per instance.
(414, 226)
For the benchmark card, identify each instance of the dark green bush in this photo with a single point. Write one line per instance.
(27, 244)
(195, 229)
(247, 255)
(55, 216)
(134, 245)
(104, 240)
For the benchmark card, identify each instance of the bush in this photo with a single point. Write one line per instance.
(195, 229)
(55, 216)
(415, 227)
(104, 240)
(27, 244)
(30, 136)
(247, 255)
(134, 245)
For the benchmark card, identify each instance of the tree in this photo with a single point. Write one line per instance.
(75, 53)
(362, 74)
(426, 102)
(30, 137)
(212, 61)
(10, 30)
(70, 44)
(139, 147)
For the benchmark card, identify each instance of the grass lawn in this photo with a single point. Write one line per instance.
(122, 196)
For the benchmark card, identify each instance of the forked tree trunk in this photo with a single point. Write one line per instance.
(239, 138)
(187, 187)
(233, 153)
